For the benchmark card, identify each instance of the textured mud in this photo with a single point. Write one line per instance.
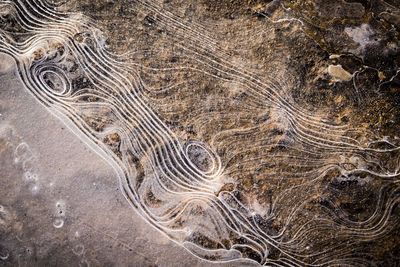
(264, 131)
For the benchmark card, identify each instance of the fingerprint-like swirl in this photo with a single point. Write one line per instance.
(229, 169)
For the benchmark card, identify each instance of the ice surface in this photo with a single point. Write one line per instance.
(60, 202)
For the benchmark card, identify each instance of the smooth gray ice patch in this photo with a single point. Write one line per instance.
(363, 35)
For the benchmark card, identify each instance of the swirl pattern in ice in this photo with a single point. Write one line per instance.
(229, 168)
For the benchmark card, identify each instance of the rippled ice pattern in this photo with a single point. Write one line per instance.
(244, 173)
